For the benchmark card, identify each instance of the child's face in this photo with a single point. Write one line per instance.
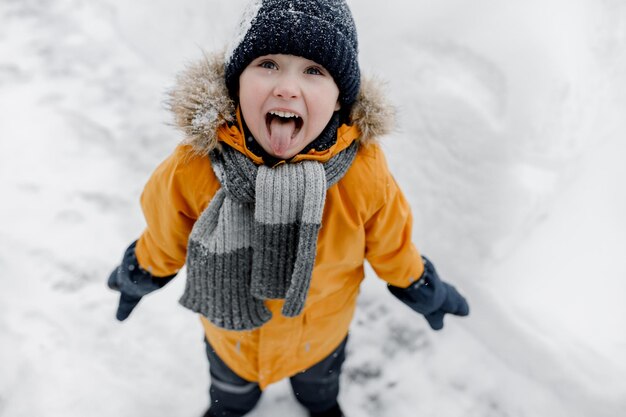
(286, 102)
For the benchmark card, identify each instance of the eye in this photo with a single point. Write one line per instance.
(314, 71)
(268, 65)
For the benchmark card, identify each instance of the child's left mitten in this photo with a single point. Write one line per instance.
(133, 283)
(432, 297)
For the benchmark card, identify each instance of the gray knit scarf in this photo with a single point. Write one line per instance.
(257, 239)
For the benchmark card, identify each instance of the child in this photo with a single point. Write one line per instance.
(274, 201)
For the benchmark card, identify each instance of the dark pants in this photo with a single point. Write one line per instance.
(316, 388)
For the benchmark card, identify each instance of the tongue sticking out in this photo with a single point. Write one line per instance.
(281, 131)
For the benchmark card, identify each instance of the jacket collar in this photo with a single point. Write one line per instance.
(207, 115)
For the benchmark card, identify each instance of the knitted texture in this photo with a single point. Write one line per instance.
(257, 239)
(320, 30)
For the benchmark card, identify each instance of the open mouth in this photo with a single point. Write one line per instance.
(289, 124)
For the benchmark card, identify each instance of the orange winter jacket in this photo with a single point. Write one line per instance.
(366, 217)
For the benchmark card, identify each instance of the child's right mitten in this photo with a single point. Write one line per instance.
(432, 297)
(133, 283)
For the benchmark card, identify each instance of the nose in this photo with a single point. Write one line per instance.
(287, 86)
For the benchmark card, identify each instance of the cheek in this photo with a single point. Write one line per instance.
(330, 98)
(249, 102)
(249, 91)
(326, 103)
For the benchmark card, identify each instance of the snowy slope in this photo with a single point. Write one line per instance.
(509, 147)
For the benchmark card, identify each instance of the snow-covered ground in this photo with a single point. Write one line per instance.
(510, 147)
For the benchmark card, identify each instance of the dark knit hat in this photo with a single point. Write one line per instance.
(320, 30)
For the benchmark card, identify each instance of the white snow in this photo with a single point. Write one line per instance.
(248, 15)
(509, 147)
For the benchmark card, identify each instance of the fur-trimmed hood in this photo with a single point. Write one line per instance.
(201, 104)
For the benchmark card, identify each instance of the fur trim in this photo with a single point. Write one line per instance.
(372, 113)
(201, 104)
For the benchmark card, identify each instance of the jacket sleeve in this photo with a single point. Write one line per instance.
(389, 248)
(172, 200)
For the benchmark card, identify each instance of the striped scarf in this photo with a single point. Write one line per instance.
(257, 239)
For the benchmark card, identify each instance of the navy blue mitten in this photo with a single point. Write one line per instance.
(133, 282)
(432, 297)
